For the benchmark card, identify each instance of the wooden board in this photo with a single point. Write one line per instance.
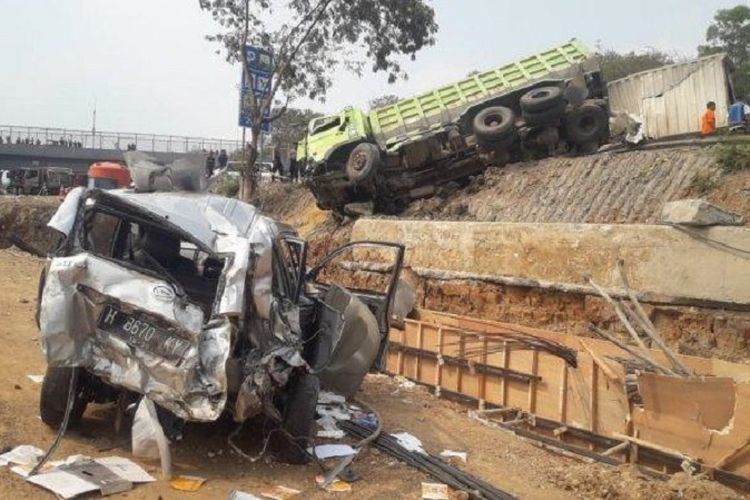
(706, 418)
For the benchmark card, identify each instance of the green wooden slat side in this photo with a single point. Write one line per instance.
(426, 107)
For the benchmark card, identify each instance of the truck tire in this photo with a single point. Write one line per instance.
(546, 117)
(494, 125)
(298, 417)
(586, 123)
(541, 99)
(363, 161)
(54, 396)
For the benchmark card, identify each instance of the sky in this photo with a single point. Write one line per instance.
(146, 67)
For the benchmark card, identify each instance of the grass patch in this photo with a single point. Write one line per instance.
(703, 183)
(733, 157)
(229, 187)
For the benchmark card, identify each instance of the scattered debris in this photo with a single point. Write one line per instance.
(324, 451)
(77, 474)
(437, 468)
(409, 442)
(37, 379)
(335, 486)
(187, 483)
(461, 455)
(241, 495)
(21, 455)
(279, 492)
(435, 491)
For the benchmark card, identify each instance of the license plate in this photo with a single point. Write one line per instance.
(143, 334)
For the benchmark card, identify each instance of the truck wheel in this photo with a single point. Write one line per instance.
(362, 162)
(546, 117)
(586, 123)
(299, 414)
(54, 396)
(493, 125)
(541, 99)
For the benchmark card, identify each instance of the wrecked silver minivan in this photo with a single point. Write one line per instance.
(204, 306)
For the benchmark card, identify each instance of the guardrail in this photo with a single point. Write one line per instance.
(113, 140)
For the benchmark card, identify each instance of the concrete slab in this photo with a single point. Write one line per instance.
(710, 264)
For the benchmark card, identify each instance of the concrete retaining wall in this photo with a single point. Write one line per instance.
(660, 260)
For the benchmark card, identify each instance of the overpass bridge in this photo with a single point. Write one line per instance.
(24, 147)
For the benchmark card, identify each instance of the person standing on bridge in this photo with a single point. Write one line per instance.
(223, 159)
(210, 164)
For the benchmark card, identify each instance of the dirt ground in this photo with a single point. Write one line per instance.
(498, 457)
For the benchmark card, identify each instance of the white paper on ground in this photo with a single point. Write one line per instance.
(126, 469)
(335, 434)
(241, 495)
(461, 455)
(323, 451)
(63, 484)
(21, 455)
(37, 379)
(326, 397)
(338, 413)
(410, 442)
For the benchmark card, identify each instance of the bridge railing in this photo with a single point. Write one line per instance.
(50, 136)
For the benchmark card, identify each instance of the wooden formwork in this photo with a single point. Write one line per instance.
(704, 420)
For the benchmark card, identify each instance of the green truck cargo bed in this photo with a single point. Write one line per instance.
(444, 105)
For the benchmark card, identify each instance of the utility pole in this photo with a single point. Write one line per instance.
(93, 128)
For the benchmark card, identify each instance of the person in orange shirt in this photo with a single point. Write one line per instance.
(708, 120)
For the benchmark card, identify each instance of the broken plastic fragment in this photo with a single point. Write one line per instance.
(324, 451)
(336, 486)
(187, 483)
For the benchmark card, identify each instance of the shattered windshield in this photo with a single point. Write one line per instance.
(145, 246)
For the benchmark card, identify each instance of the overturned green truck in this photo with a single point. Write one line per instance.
(548, 104)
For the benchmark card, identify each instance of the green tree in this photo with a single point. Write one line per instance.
(383, 100)
(291, 126)
(730, 33)
(310, 40)
(616, 65)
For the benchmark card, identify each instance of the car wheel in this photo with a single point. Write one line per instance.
(298, 417)
(586, 123)
(54, 396)
(362, 162)
(546, 117)
(494, 125)
(541, 99)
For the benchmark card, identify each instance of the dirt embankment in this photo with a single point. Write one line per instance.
(23, 222)
(626, 187)
(619, 188)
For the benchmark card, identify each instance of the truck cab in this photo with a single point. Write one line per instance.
(329, 134)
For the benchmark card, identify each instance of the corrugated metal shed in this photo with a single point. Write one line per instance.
(671, 99)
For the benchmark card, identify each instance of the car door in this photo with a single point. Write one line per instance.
(353, 288)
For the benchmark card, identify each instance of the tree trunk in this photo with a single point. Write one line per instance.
(247, 174)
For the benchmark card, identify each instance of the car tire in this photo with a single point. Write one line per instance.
(541, 99)
(494, 125)
(298, 417)
(587, 123)
(363, 161)
(547, 117)
(54, 396)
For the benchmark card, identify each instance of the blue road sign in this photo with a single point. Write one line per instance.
(244, 118)
(259, 66)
